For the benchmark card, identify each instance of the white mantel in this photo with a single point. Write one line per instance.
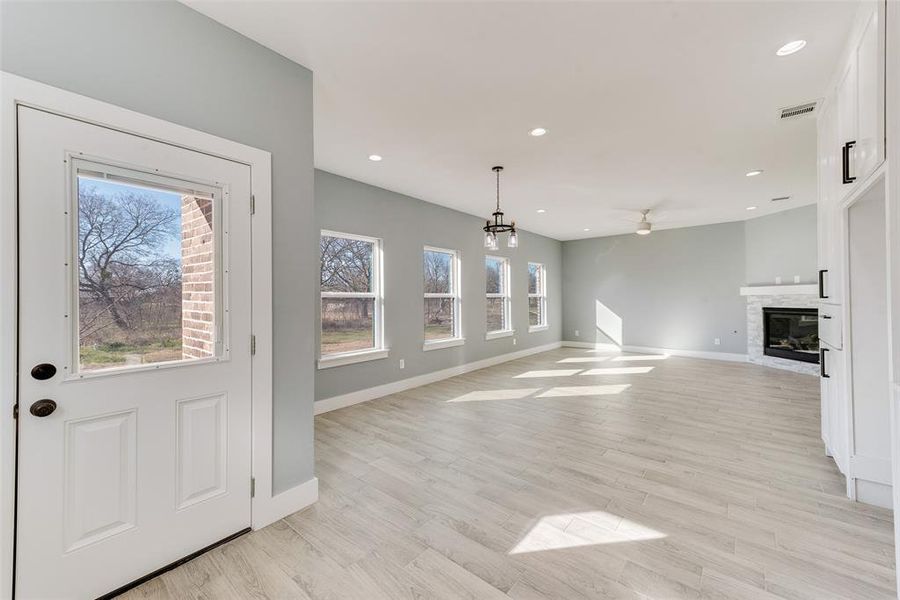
(802, 289)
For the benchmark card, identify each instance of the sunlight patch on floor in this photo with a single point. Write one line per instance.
(583, 359)
(547, 373)
(617, 371)
(508, 394)
(584, 390)
(576, 530)
(639, 358)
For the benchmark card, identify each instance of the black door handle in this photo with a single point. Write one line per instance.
(822, 283)
(826, 316)
(43, 408)
(822, 372)
(845, 162)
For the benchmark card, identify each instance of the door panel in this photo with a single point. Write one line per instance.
(146, 457)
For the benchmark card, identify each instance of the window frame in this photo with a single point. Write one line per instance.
(541, 294)
(378, 351)
(505, 294)
(457, 338)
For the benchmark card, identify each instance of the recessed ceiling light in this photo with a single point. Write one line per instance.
(586, 229)
(751, 208)
(542, 210)
(537, 132)
(791, 47)
(754, 173)
(375, 157)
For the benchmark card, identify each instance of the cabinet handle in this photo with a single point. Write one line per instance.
(826, 316)
(845, 160)
(822, 283)
(822, 372)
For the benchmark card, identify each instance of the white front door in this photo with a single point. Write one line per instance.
(134, 355)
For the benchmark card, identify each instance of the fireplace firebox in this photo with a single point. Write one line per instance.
(791, 333)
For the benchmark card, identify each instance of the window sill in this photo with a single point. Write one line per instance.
(493, 335)
(447, 343)
(349, 358)
(535, 328)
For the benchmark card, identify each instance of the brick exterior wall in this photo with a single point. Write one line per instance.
(197, 278)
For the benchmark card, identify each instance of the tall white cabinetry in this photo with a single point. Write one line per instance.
(851, 167)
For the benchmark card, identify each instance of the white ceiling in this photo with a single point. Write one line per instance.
(648, 105)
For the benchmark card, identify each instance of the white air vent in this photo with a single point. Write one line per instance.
(806, 109)
(781, 198)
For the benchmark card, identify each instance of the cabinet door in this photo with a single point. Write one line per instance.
(838, 408)
(829, 233)
(869, 57)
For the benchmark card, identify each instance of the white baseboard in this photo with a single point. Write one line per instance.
(286, 503)
(726, 356)
(344, 400)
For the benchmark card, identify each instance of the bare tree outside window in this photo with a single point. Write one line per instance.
(129, 260)
(497, 293)
(348, 286)
(441, 296)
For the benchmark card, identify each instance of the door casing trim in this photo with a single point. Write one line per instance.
(15, 91)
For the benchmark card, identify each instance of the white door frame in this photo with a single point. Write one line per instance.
(14, 91)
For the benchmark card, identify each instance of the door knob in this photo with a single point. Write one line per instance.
(43, 371)
(43, 408)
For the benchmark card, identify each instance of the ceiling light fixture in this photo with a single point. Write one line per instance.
(541, 211)
(751, 208)
(537, 132)
(754, 173)
(791, 47)
(498, 226)
(375, 157)
(643, 228)
(586, 229)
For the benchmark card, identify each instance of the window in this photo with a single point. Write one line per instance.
(497, 297)
(351, 299)
(148, 269)
(537, 297)
(442, 299)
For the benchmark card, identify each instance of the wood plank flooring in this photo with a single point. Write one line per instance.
(568, 475)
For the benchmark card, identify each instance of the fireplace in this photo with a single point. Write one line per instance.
(791, 333)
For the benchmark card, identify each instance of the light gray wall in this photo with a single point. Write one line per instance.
(782, 245)
(406, 225)
(163, 59)
(676, 288)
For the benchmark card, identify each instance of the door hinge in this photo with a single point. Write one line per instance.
(252, 487)
(252, 345)
(252, 204)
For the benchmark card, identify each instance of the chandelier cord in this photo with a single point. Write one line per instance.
(498, 191)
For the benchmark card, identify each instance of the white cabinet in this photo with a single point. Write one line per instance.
(835, 413)
(859, 92)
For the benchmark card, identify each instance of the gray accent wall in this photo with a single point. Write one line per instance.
(163, 59)
(782, 245)
(675, 289)
(406, 225)
(679, 289)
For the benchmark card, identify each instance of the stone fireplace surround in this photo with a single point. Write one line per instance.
(776, 296)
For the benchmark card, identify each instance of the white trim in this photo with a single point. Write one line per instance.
(344, 400)
(726, 356)
(287, 503)
(439, 344)
(780, 290)
(501, 333)
(19, 90)
(348, 358)
(536, 328)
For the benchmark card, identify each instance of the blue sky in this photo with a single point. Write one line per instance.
(166, 199)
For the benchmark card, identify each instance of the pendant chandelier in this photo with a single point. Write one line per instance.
(491, 229)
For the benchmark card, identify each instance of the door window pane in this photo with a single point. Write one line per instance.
(146, 264)
(347, 324)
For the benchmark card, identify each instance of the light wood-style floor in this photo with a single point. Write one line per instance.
(569, 475)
